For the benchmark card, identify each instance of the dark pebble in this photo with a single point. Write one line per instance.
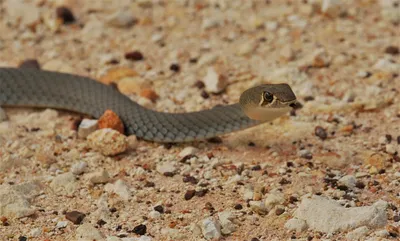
(65, 14)
(140, 229)
(284, 181)
(398, 140)
(204, 94)
(190, 179)
(256, 168)
(201, 193)
(101, 222)
(22, 238)
(216, 140)
(293, 199)
(113, 210)
(193, 60)
(149, 184)
(238, 206)
(396, 218)
(392, 50)
(169, 174)
(134, 56)
(255, 239)
(289, 164)
(388, 138)
(118, 228)
(30, 63)
(309, 98)
(189, 194)
(279, 211)
(342, 187)
(187, 157)
(75, 217)
(159, 208)
(251, 144)
(321, 133)
(175, 67)
(209, 206)
(199, 84)
(360, 185)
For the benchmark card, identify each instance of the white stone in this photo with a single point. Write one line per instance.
(154, 214)
(62, 224)
(215, 82)
(3, 115)
(35, 232)
(382, 233)
(226, 219)
(210, 229)
(121, 19)
(258, 207)
(271, 26)
(79, 167)
(246, 48)
(387, 66)
(358, 233)
(207, 59)
(331, 7)
(189, 150)
(21, 11)
(348, 181)
(273, 199)
(210, 23)
(391, 149)
(64, 184)
(87, 232)
(328, 216)
(157, 37)
(108, 141)
(99, 177)
(86, 127)
(166, 167)
(14, 204)
(120, 188)
(295, 224)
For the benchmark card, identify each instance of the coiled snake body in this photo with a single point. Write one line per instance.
(37, 88)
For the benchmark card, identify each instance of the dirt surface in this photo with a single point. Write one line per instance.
(342, 61)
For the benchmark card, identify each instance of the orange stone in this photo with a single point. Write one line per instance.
(149, 94)
(111, 120)
(115, 74)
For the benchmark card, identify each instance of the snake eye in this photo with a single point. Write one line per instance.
(268, 97)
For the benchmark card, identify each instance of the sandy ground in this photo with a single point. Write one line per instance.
(342, 61)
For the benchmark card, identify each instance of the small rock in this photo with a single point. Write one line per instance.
(387, 66)
(99, 177)
(134, 56)
(328, 216)
(247, 48)
(215, 82)
(75, 217)
(358, 233)
(189, 194)
(120, 188)
(58, 66)
(348, 181)
(87, 232)
(287, 53)
(154, 214)
(226, 220)
(65, 14)
(166, 167)
(157, 37)
(121, 19)
(20, 11)
(3, 115)
(108, 141)
(331, 7)
(207, 59)
(393, 50)
(210, 23)
(141, 229)
(320, 132)
(36, 232)
(114, 75)
(64, 184)
(271, 26)
(61, 224)
(189, 150)
(175, 67)
(86, 127)
(320, 59)
(210, 229)
(14, 203)
(390, 10)
(295, 224)
(273, 199)
(79, 168)
(149, 94)
(258, 207)
(391, 149)
(111, 120)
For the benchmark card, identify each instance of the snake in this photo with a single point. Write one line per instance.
(31, 87)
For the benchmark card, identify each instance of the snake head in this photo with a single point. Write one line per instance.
(268, 101)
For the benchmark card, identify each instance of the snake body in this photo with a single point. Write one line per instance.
(36, 88)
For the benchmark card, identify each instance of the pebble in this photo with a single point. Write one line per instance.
(358, 233)
(348, 181)
(141, 229)
(65, 14)
(320, 132)
(295, 224)
(386, 65)
(210, 229)
(328, 216)
(64, 184)
(61, 224)
(58, 65)
(207, 59)
(87, 232)
(79, 167)
(209, 23)
(120, 188)
(157, 37)
(154, 214)
(149, 94)
(107, 141)
(320, 58)
(75, 217)
(86, 127)
(111, 120)
(20, 11)
(13, 203)
(35, 232)
(391, 149)
(226, 219)
(215, 82)
(393, 50)
(134, 56)
(271, 26)
(273, 199)
(331, 7)
(390, 10)
(166, 167)
(3, 115)
(287, 53)
(99, 177)
(247, 48)
(121, 19)
(187, 151)
(258, 207)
